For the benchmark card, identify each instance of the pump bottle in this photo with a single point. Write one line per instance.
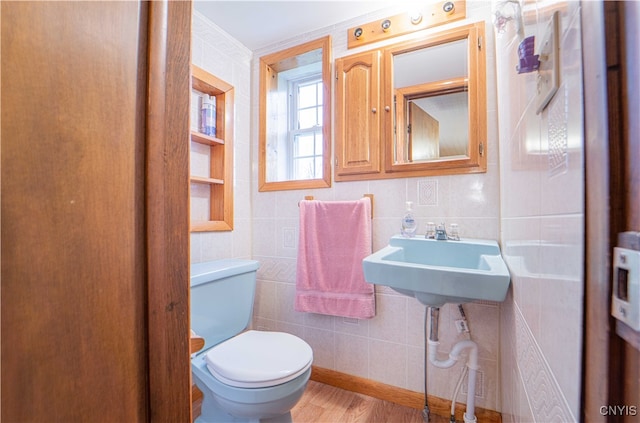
(409, 224)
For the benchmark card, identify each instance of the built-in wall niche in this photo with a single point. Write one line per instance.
(211, 153)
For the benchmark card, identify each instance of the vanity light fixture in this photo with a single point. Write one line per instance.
(435, 13)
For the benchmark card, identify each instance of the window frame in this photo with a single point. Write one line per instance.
(270, 66)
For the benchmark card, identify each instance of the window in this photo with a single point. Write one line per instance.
(305, 128)
(295, 117)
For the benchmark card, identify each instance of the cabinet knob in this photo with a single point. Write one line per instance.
(374, 110)
(387, 108)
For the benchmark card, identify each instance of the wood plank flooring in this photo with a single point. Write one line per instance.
(322, 403)
(327, 404)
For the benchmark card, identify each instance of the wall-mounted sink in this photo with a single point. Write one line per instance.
(439, 272)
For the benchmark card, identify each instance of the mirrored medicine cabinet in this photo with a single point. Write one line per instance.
(431, 103)
(438, 95)
(414, 108)
(295, 117)
(421, 104)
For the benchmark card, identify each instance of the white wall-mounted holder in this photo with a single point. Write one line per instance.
(549, 70)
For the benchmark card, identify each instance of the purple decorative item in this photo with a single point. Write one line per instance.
(528, 61)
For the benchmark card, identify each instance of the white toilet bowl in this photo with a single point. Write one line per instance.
(255, 376)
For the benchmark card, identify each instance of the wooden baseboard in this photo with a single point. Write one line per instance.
(438, 406)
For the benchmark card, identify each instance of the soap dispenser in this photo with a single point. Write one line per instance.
(409, 224)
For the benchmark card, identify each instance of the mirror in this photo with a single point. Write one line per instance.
(438, 95)
(295, 117)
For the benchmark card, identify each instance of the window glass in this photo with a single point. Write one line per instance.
(306, 127)
(308, 103)
(307, 155)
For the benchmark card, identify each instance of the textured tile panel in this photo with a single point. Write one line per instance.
(547, 400)
(558, 141)
(277, 269)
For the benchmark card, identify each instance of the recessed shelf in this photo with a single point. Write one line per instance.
(201, 138)
(219, 182)
(209, 226)
(203, 180)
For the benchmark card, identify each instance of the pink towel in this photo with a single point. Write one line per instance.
(334, 238)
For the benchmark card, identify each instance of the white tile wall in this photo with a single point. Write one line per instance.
(542, 218)
(536, 212)
(389, 347)
(227, 59)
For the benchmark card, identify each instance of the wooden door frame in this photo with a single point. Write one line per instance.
(131, 324)
(628, 191)
(596, 292)
(610, 55)
(167, 205)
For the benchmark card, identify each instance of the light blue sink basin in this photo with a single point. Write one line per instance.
(439, 272)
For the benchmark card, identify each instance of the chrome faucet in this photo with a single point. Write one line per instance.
(441, 233)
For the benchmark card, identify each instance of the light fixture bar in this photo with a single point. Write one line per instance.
(404, 23)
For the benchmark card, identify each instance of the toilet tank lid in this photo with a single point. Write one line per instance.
(219, 269)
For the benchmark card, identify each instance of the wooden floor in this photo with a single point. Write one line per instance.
(326, 404)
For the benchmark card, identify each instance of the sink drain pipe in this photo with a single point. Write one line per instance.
(454, 356)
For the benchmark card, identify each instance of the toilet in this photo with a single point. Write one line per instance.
(244, 376)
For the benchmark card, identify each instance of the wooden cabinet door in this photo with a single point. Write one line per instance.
(94, 304)
(358, 132)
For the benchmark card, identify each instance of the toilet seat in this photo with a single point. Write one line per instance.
(258, 359)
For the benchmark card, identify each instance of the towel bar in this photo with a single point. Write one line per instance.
(370, 196)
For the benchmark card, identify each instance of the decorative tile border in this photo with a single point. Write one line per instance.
(557, 134)
(479, 392)
(277, 269)
(428, 192)
(289, 238)
(546, 399)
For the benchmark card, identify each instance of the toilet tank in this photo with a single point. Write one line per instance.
(222, 293)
